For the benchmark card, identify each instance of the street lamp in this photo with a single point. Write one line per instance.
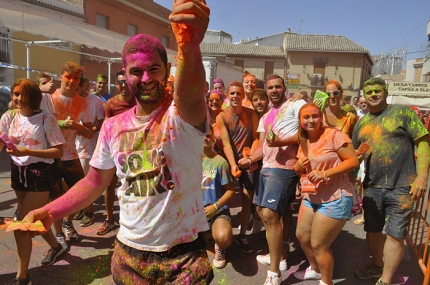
(28, 45)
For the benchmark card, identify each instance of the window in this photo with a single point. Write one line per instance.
(165, 41)
(102, 21)
(131, 30)
(4, 48)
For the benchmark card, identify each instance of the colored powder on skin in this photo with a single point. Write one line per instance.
(183, 35)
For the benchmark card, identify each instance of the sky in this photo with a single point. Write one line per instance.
(380, 26)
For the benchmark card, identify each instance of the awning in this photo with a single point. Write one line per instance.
(54, 25)
(410, 93)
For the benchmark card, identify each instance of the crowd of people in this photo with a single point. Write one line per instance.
(181, 151)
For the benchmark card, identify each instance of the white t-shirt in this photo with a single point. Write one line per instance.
(38, 132)
(159, 162)
(62, 107)
(284, 123)
(84, 146)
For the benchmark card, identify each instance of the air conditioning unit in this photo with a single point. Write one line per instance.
(317, 79)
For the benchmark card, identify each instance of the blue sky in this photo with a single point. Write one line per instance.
(381, 26)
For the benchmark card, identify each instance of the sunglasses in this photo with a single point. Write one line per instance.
(370, 92)
(335, 93)
(122, 82)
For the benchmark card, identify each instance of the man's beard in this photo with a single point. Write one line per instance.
(160, 90)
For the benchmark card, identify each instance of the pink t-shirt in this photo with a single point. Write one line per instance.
(323, 156)
(284, 123)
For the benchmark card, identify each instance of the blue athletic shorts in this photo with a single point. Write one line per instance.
(276, 189)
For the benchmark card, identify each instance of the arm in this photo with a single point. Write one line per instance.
(255, 156)
(277, 142)
(189, 22)
(211, 210)
(228, 151)
(419, 187)
(255, 135)
(349, 162)
(53, 152)
(82, 194)
(96, 128)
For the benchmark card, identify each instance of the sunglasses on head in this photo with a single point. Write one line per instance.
(122, 82)
(335, 93)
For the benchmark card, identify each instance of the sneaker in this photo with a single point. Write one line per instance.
(79, 215)
(61, 239)
(380, 282)
(17, 281)
(15, 215)
(371, 270)
(272, 280)
(265, 259)
(219, 260)
(105, 227)
(51, 255)
(257, 225)
(88, 219)
(242, 241)
(307, 274)
(69, 231)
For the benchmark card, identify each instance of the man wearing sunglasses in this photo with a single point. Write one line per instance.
(393, 179)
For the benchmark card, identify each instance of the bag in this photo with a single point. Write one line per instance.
(307, 186)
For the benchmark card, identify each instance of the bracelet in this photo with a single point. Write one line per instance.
(325, 176)
(250, 159)
(216, 206)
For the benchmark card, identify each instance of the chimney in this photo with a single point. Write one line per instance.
(288, 30)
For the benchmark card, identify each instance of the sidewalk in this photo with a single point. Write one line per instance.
(88, 261)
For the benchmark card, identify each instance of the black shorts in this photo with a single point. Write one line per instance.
(71, 171)
(35, 177)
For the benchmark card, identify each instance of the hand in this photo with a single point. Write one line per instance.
(296, 97)
(210, 211)
(244, 163)
(419, 188)
(272, 140)
(190, 19)
(49, 87)
(38, 214)
(235, 171)
(316, 176)
(303, 163)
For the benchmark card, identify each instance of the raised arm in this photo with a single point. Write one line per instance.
(190, 20)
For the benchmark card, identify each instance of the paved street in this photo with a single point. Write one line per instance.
(88, 261)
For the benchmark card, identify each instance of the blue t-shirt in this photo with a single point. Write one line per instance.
(216, 174)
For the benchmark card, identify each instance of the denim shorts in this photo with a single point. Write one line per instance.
(339, 209)
(276, 189)
(389, 207)
(224, 214)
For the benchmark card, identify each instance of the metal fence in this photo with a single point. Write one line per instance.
(418, 230)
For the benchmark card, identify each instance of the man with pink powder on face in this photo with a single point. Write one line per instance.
(156, 149)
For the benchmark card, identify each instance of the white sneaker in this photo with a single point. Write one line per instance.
(307, 274)
(265, 259)
(272, 279)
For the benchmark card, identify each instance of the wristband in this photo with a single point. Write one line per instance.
(325, 176)
(216, 206)
(250, 160)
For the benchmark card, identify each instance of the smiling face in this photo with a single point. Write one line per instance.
(209, 139)
(18, 99)
(214, 102)
(332, 90)
(101, 86)
(310, 118)
(375, 97)
(146, 77)
(276, 91)
(235, 96)
(121, 84)
(249, 83)
(260, 103)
